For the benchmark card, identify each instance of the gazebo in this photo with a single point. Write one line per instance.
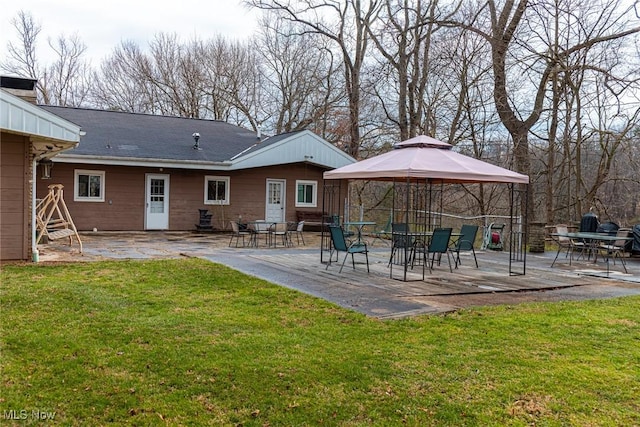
(414, 166)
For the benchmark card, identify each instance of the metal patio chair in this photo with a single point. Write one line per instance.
(279, 230)
(439, 244)
(339, 244)
(400, 241)
(566, 243)
(616, 248)
(240, 233)
(299, 232)
(465, 242)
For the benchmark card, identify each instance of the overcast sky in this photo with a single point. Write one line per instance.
(102, 25)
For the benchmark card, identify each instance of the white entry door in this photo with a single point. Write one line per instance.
(157, 202)
(275, 200)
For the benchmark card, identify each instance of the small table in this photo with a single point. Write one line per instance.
(359, 225)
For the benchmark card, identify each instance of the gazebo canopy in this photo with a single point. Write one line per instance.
(423, 157)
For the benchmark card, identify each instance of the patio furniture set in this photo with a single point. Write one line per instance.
(587, 244)
(408, 248)
(266, 234)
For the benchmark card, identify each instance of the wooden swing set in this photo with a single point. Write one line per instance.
(53, 219)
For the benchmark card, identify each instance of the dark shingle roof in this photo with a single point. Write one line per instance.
(144, 136)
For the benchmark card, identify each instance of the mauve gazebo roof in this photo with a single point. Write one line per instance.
(423, 157)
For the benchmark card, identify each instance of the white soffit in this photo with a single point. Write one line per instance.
(22, 117)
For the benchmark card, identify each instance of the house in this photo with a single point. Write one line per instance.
(29, 135)
(146, 172)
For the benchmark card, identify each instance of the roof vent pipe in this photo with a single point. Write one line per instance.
(196, 138)
(258, 134)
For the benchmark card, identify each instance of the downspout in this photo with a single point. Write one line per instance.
(35, 255)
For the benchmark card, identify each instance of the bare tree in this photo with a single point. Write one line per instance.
(63, 82)
(120, 83)
(298, 78)
(404, 38)
(233, 81)
(66, 81)
(585, 93)
(510, 40)
(344, 23)
(22, 59)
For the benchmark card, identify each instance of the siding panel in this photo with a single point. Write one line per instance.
(14, 198)
(124, 205)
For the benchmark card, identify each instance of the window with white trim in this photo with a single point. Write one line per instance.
(216, 190)
(306, 194)
(88, 186)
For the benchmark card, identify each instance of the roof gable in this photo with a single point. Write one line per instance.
(303, 146)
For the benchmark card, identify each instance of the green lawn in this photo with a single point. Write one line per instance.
(188, 342)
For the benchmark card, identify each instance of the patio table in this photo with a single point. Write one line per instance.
(593, 240)
(359, 225)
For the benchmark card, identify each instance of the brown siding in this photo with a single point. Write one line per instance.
(124, 205)
(15, 232)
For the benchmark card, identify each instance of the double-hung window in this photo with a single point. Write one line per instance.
(88, 186)
(216, 190)
(307, 194)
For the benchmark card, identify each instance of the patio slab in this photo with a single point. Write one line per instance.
(373, 294)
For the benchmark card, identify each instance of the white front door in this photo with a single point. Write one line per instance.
(275, 200)
(157, 202)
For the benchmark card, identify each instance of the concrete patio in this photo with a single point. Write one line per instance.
(374, 294)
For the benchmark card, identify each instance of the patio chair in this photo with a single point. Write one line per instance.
(439, 244)
(261, 228)
(237, 233)
(279, 230)
(299, 232)
(565, 243)
(616, 248)
(465, 242)
(400, 241)
(339, 244)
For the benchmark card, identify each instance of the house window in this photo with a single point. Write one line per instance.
(216, 190)
(88, 186)
(306, 194)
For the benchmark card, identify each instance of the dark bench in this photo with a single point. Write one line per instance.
(313, 220)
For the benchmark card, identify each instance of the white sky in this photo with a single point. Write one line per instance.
(102, 25)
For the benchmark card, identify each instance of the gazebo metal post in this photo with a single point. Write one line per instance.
(330, 205)
(519, 230)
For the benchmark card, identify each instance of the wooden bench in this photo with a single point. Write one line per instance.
(313, 220)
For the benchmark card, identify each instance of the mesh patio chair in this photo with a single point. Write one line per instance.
(439, 244)
(261, 228)
(617, 248)
(400, 242)
(279, 231)
(465, 242)
(238, 233)
(339, 244)
(566, 243)
(299, 232)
